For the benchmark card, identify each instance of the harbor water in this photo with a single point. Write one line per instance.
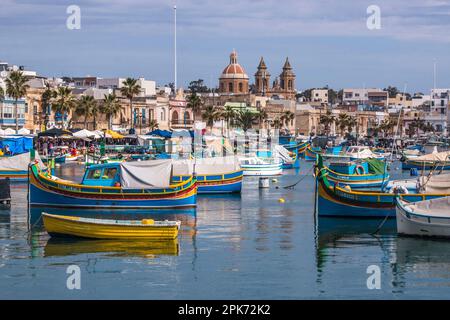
(249, 246)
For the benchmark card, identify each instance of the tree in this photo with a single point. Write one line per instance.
(153, 125)
(392, 91)
(287, 118)
(228, 114)
(305, 94)
(47, 97)
(245, 119)
(277, 123)
(386, 126)
(198, 86)
(332, 96)
(262, 117)
(110, 107)
(210, 114)
(2, 94)
(342, 122)
(16, 88)
(130, 89)
(327, 119)
(351, 123)
(86, 107)
(195, 103)
(64, 101)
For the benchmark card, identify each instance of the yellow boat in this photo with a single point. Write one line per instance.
(57, 225)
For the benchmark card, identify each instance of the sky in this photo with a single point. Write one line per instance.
(327, 41)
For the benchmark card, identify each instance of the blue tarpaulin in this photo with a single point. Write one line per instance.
(160, 133)
(17, 145)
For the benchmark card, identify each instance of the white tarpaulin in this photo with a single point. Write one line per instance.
(439, 207)
(206, 166)
(24, 131)
(19, 162)
(439, 183)
(439, 156)
(152, 174)
(84, 133)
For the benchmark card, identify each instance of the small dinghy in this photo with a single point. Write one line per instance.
(68, 226)
(429, 218)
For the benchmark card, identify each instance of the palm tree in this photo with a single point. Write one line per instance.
(153, 125)
(2, 94)
(327, 119)
(85, 107)
(351, 123)
(342, 122)
(277, 123)
(130, 89)
(287, 118)
(195, 103)
(386, 126)
(46, 99)
(64, 101)
(210, 114)
(110, 107)
(246, 119)
(16, 88)
(229, 114)
(262, 117)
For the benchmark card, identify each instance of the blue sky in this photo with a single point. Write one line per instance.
(327, 41)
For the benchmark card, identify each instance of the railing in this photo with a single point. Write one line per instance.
(182, 122)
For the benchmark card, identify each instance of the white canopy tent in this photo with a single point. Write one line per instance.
(84, 133)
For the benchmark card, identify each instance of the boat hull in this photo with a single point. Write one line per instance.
(14, 175)
(262, 170)
(411, 224)
(410, 164)
(54, 194)
(220, 183)
(76, 227)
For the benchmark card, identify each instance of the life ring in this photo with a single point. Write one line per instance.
(359, 170)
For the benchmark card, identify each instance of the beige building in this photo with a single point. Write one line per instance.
(319, 95)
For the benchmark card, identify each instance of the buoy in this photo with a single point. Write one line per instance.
(263, 183)
(274, 180)
(281, 200)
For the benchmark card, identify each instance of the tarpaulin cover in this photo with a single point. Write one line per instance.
(206, 166)
(376, 166)
(439, 207)
(152, 174)
(17, 145)
(439, 183)
(439, 156)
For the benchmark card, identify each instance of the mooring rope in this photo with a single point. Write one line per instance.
(301, 179)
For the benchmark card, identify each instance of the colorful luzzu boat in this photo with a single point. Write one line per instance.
(370, 173)
(334, 201)
(213, 175)
(15, 167)
(301, 148)
(311, 153)
(145, 184)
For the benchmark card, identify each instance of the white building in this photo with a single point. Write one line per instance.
(319, 95)
(440, 100)
(148, 86)
(365, 96)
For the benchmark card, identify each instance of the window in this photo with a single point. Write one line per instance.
(109, 173)
(94, 174)
(230, 87)
(241, 87)
(163, 115)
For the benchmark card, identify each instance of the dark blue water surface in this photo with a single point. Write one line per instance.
(231, 247)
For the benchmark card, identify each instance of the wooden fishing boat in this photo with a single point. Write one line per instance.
(438, 161)
(370, 173)
(69, 226)
(15, 167)
(301, 147)
(255, 166)
(145, 184)
(344, 202)
(311, 153)
(429, 218)
(213, 175)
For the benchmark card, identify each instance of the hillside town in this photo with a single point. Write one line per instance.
(264, 101)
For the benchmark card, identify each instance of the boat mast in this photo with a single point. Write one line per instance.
(175, 49)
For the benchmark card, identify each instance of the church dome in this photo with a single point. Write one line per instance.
(234, 70)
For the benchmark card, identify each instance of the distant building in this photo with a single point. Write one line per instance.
(319, 95)
(283, 87)
(233, 79)
(366, 96)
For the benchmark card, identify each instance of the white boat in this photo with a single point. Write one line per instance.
(254, 166)
(361, 152)
(429, 218)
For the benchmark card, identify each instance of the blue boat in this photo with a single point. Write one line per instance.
(370, 173)
(213, 175)
(133, 185)
(335, 201)
(311, 153)
(433, 161)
